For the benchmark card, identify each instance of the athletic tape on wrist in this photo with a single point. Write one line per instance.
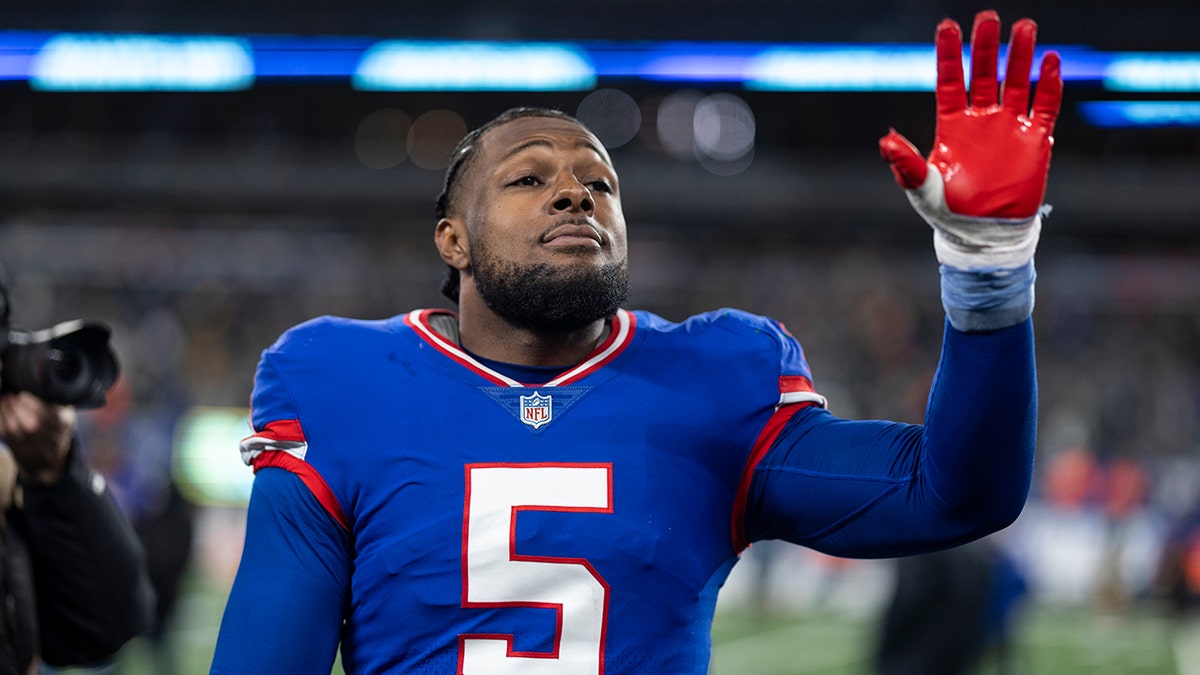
(987, 299)
(968, 242)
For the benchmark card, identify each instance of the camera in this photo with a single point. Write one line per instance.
(70, 363)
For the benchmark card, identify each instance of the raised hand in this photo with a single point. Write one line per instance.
(991, 151)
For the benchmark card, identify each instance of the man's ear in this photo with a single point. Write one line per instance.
(450, 237)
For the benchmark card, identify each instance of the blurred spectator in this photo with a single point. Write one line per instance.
(1008, 590)
(131, 445)
(1179, 576)
(1178, 582)
(949, 611)
(934, 623)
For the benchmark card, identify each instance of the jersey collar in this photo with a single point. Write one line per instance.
(619, 336)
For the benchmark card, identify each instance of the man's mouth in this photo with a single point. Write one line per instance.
(573, 234)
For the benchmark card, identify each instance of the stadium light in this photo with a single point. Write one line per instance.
(473, 66)
(1110, 114)
(1153, 72)
(94, 62)
(53, 61)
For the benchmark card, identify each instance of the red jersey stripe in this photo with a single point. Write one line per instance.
(766, 438)
(316, 484)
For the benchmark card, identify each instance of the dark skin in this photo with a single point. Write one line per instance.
(540, 191)
(38, 434)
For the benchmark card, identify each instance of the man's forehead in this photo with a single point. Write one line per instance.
(512, 138)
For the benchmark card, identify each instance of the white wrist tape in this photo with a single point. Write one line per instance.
(968, 242)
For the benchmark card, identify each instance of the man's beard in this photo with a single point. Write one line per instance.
(543, 297)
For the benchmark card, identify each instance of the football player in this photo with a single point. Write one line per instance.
(547, 482)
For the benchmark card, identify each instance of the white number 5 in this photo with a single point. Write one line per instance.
(494, 575)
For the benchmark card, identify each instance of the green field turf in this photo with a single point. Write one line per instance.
(1051, 641)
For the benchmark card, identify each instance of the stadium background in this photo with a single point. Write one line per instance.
(202, 224)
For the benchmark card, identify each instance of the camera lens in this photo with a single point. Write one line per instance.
(70, 363)
(66, 374)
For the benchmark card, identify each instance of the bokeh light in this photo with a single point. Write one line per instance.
(612, 115)
(676, 124)
(381, 140)
(715, 130)
(433, 136)
(724, 127)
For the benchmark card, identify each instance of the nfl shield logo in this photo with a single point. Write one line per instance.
(536, 410)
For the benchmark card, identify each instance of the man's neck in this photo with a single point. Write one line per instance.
(485, 333)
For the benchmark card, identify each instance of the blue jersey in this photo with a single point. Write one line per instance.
(438, 515)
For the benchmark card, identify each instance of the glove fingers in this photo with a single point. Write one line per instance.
(985, 48)
(1048, 98)
(1020, 60)
(907, 165)
(951, 92)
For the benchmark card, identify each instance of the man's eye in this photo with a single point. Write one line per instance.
(600, 186)
(527, 181)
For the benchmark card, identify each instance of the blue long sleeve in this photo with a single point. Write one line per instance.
(883, 489)
(292, 583)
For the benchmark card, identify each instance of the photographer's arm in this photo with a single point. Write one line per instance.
(91, 583)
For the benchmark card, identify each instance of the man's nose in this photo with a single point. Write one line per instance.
(573, 196)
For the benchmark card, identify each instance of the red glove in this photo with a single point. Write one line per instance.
(992, 157)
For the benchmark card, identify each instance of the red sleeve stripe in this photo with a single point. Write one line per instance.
(285, 435)
(283, 430)
(766, 438)
(788, 383)
(798, 389)
(316, 484)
